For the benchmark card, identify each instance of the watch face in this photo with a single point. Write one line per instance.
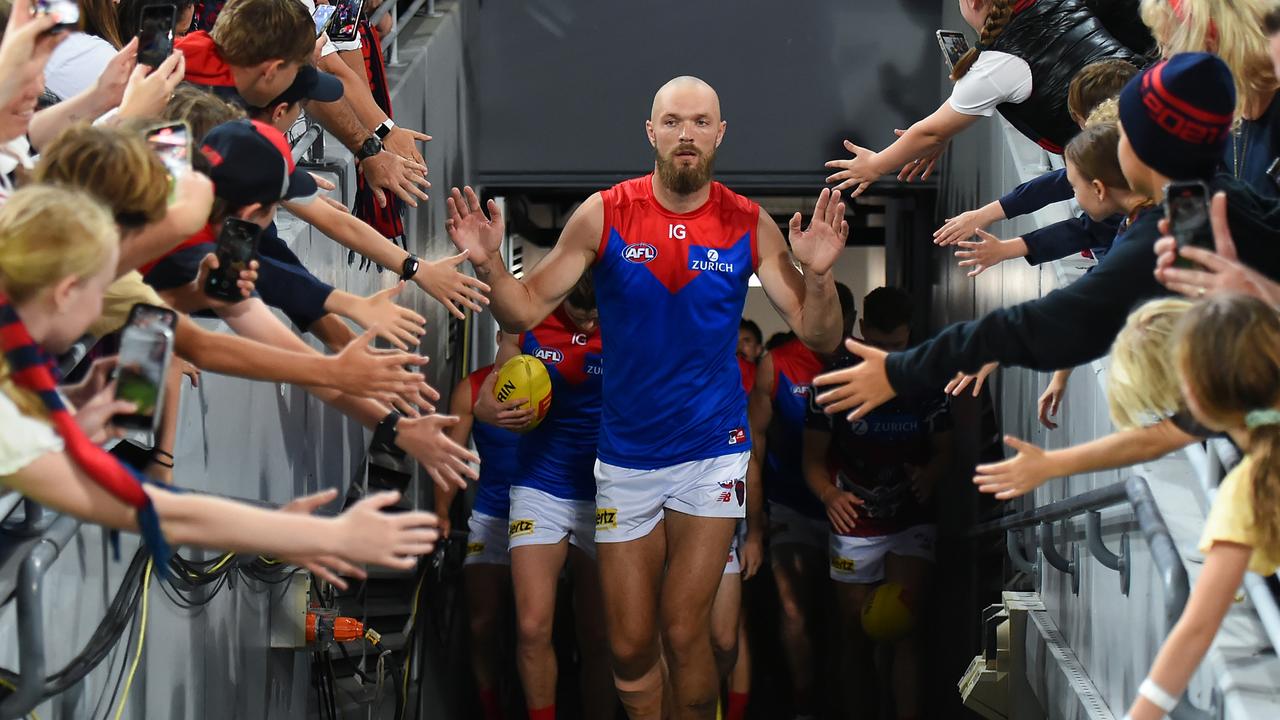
(371, 147)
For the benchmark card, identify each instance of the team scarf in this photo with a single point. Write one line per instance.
(386, 220)
(31, 368)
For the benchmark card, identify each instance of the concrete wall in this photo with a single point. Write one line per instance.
(263, 441)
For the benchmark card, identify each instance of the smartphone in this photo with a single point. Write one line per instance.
(953, 45)
(68, 12)
(323, 16)
(237, 247)
(155, 32)
(1186, 205)
(146, 345)
(144, 315)
(172, 142)
(344, 27)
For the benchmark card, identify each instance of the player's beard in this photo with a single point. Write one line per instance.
(685, 180)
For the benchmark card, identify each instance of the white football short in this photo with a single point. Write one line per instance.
(629, 503)
(733, 566)
(540, 518)
(789, 527)
(486, 540)
(860, 560)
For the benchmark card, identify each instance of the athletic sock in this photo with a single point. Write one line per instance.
(546, 713)
(737, 705)
(490, 707)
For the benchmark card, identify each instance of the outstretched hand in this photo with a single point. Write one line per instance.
(364, 371)
(1019, 475)
(962, 380)
(473, 232)
(818, 246)
(922, 167)
(448, 463)
(860, 388)
(857, 172)
(393, 540)
(453, 289)
(329, 568)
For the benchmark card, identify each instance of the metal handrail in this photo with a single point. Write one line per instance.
(402, 19)
(30, 595)
(1136, 492)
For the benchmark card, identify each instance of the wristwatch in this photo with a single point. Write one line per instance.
(410, 267)
(384, 435)
(383, 130)
(372, 146)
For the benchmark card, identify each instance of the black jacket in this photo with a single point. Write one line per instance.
(1057, 38)
(1078, 323)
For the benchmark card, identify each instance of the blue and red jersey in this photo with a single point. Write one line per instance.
(497, 450)
(558, 457)
(671, 287)
(874, 457)
(794, 367)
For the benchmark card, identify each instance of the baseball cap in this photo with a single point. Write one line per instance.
(310, 84)
(253, 163)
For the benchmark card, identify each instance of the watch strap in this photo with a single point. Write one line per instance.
(384, 435)
(409, 267)
(383, 130)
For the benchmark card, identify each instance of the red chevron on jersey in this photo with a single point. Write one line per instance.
(671, 288)
(678, 249)
(564, 349)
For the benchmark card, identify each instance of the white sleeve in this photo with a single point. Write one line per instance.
(23, 439)
(994, 78)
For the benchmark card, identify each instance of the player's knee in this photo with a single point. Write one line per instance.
(633, 652)
(533, 628)
(483, 625)
(685, 635)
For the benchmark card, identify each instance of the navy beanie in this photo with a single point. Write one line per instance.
(1177, 115)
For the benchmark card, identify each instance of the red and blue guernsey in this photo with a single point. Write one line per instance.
(671, 288)
(794, 367)
(558, 457)
(497, 450)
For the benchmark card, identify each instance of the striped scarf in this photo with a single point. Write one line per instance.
(33, 370)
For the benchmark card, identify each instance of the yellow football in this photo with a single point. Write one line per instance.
(524, 376)
(887, 615)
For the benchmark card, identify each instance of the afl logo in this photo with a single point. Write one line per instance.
(639, 253)
(548, 355)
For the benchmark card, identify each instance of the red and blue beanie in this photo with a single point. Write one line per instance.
(1177, 115)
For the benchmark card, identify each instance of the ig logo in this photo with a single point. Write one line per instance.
(677, 232)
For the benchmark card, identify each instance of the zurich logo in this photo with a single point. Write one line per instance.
(860, 427)
(549, 355)
(712, 263)
(639, 253)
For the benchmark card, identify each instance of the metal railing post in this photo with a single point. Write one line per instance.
(1100, 552)
(1059, 562)
(30, 593)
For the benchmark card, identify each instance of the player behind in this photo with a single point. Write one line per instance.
(876, 478)
(553, 510)
(486, 569)
(797, 527)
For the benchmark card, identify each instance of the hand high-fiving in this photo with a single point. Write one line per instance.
(818, 246)
(472, 231)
